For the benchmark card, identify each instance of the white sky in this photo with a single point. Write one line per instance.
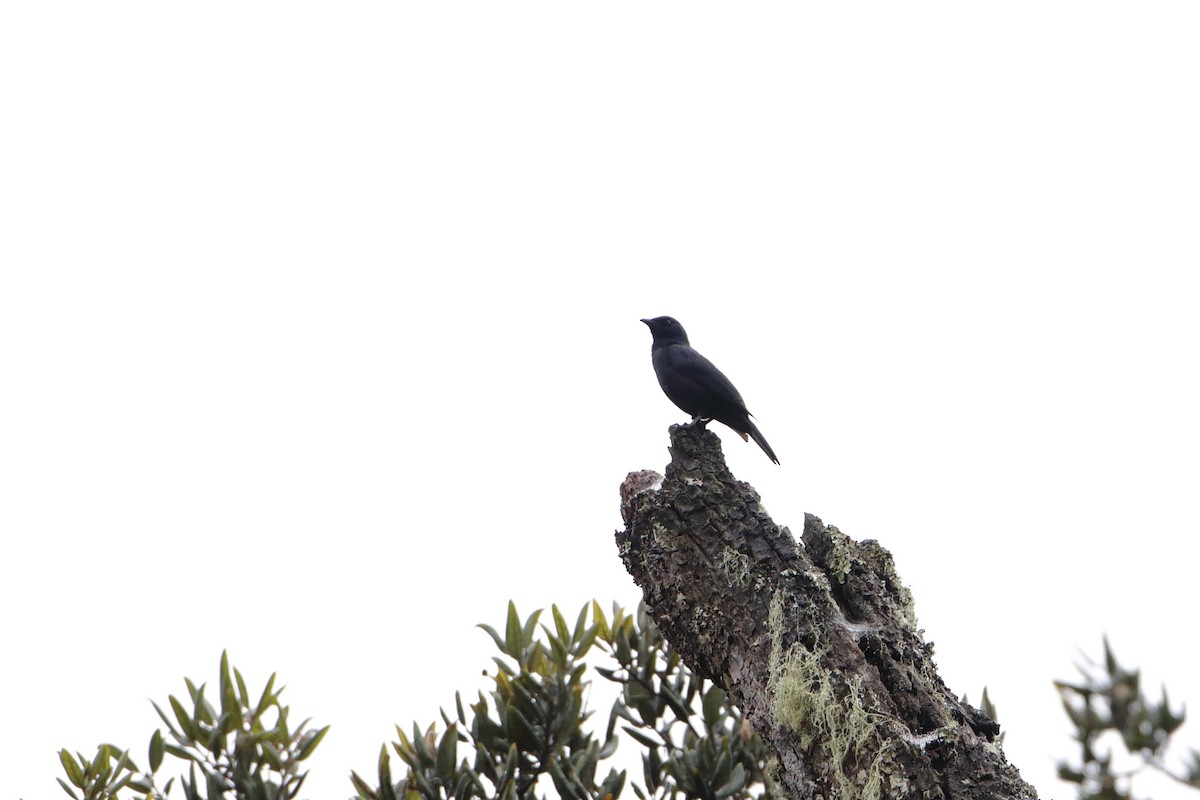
(319, 334)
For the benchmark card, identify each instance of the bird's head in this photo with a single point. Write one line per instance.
(667, 330)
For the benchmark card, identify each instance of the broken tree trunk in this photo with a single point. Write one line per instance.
(816, 643)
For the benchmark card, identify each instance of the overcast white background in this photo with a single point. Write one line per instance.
(319, 334)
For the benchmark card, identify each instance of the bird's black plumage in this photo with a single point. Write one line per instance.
(694, 384)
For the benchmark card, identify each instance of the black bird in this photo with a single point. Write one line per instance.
(694, 384)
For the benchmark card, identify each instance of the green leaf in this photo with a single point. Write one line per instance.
(270, 754)
(67, 788)
(512, 633)
(566, 723)
(295, 787)
(471, 774)
(447, 755)
(179, 752)
(613, 784)
(523, 700)
(584, 763)
(458, 706)
(99, 765)
(714, 700)
(310, 742)
(652, 769)
(507, 778)
(72, 768)
(421, 748)
(641, 738)
(243, 695)
(156, 750)
(560, 626)
(620, 620)
(599, 619)
(185, 721)
(231, 708)
(624, 654)
(123, 763)
(119, 784)
(362, 787)
(580, 622)
(269, 697)
(568, 786)
(530, 628)
(175, 734)
(737, 782)
(496, 637)
(225, 680)
(405, 744)
(986, 706)
(216, 786)
(721, 772)
(216, 737)
(610, 746)
(560, 650)
(521, 732)
(423, 784)
(386, 792)
(586, 641)
(204, 713)
(460, 787)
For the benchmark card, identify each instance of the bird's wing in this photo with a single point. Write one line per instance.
(695, 378)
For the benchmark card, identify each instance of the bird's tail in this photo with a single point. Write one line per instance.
(759, 439)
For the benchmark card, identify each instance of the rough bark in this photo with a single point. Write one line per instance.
(817, 643)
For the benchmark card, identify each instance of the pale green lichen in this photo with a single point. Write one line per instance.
(772, 776)
(839, 555)
(885, 566)
(843, 553)
(819, 578)
(908, 609)
(826, 711)
(736, 565)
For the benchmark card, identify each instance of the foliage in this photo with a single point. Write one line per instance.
(1108, 706)
(245, 750)
(529, 726)
(528, 733)
(97, 778)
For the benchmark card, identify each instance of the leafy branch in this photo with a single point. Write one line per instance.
(1108, 704)
(243, 748)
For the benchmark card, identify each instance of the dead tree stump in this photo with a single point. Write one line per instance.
(816, 643)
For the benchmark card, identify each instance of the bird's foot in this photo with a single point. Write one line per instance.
(698, 422)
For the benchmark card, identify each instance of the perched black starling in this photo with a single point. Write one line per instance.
(692, 382)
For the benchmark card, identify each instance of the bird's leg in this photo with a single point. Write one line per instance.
(699, 421)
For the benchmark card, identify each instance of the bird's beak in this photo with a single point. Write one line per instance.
(646, 321)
